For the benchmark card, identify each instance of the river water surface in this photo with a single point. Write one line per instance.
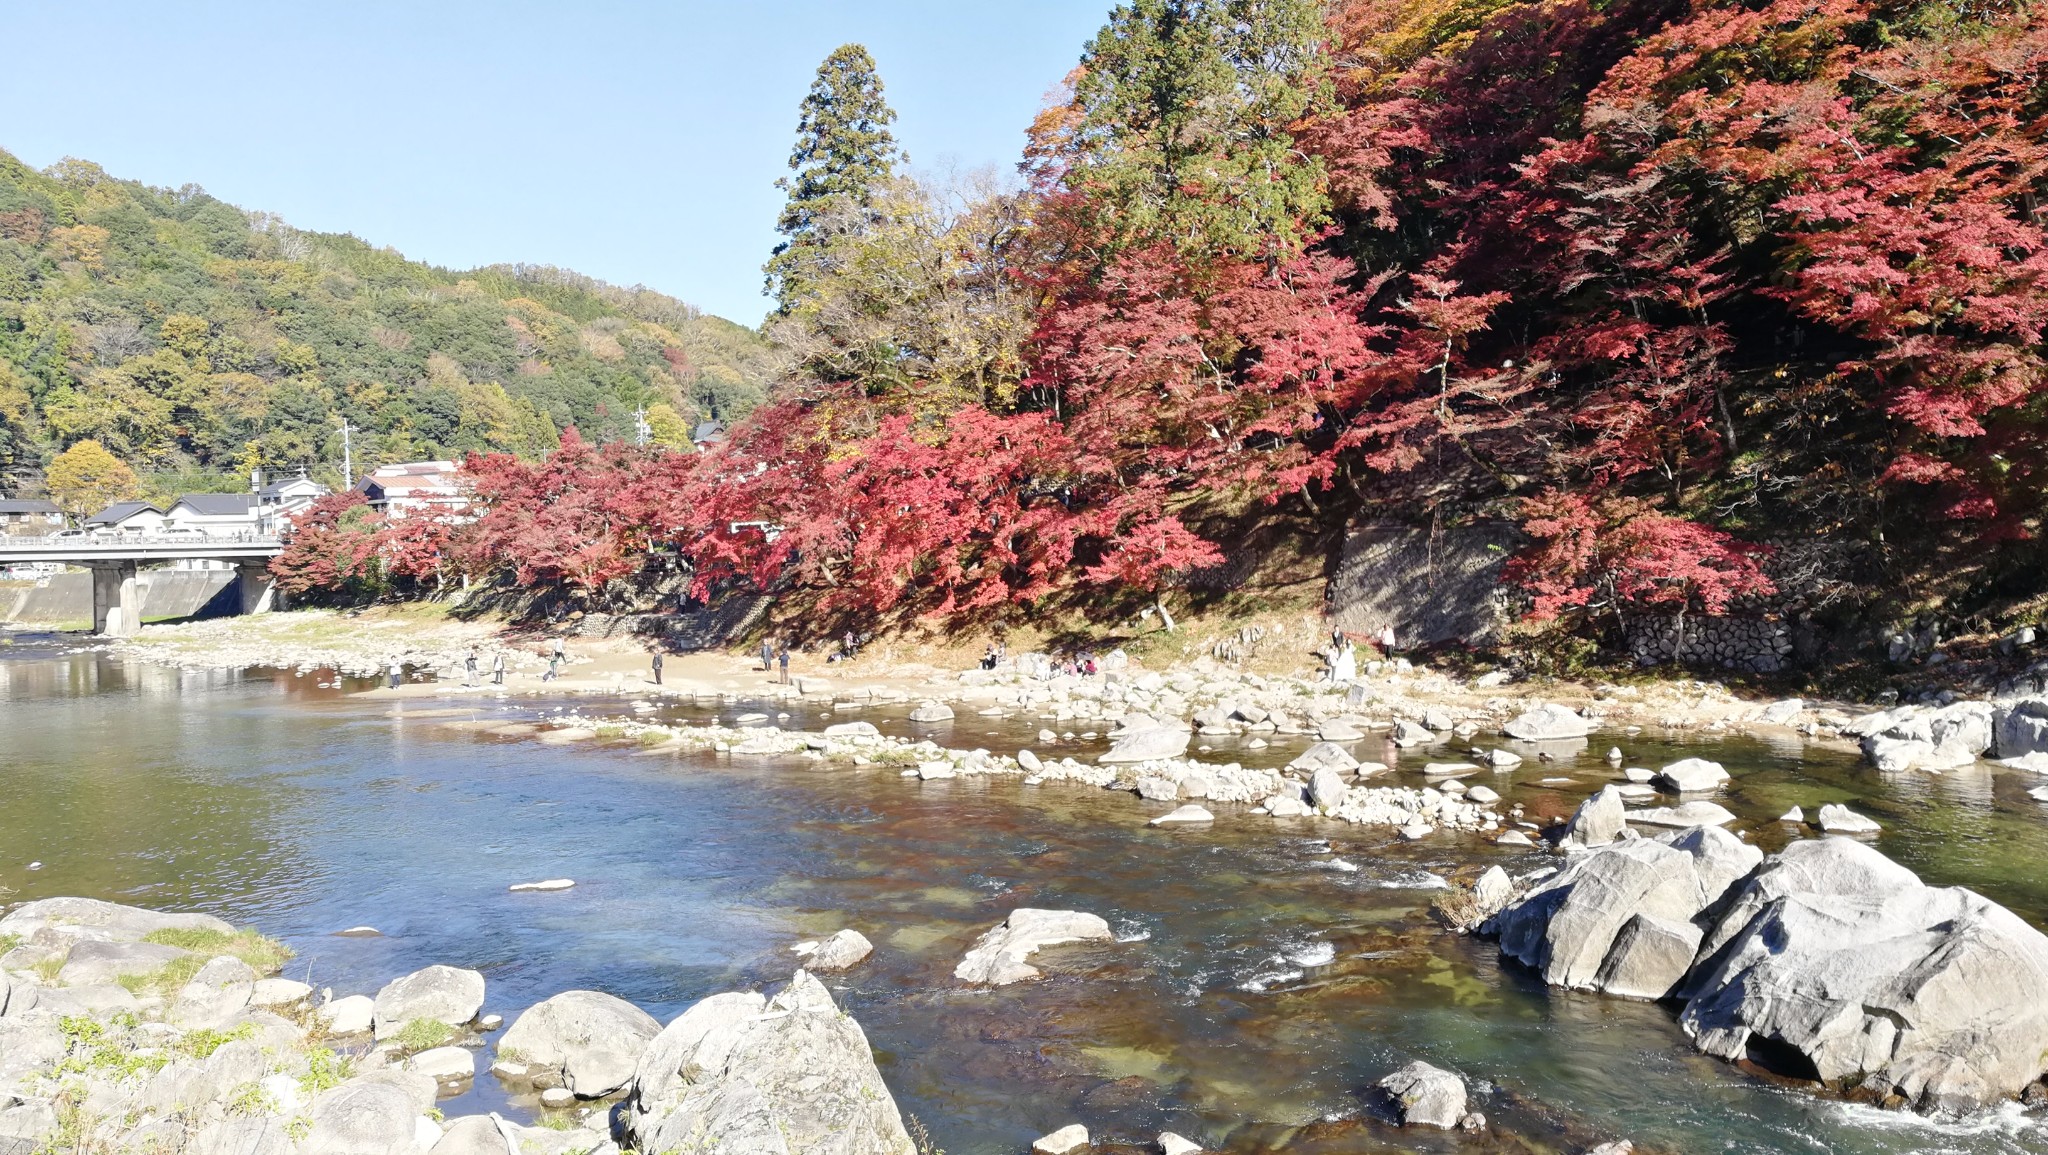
(1268, 971)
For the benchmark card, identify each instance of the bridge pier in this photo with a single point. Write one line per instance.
(258, 588)
(116, 601)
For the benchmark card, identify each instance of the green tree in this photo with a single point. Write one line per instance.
(843, 152)
(1181, 126)
(85, 479)
(667, 427)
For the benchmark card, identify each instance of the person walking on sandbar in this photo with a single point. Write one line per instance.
(397, 674)
(767, 654)
(497, 669)
(657, 667)
(783, 658)
(469, 669)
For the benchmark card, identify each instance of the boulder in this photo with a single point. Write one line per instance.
(1070, 1138)
(447, 995)
(1567, 926)
(997, 957)
(90, 918)
(473, 1135)
(1484, 795)
(92, 962)
(1491, 894)
(1172, 1144)
(361, 1117)
(1783, 712)
(1183, 815)
(353, 1015)
(587, 1041)
(1503, 759)
(1030, 763)
(1547, 722)
(1598, 821)
(1408, 734)
(788, 1076)
(444, 1064)
(273, 993)
(217, 993)
(1421, 1095)
(1691, 776)
(1883, 984)
(1143, 738)
(1835, 818)
(1926, 737)
(1338, 730)
(2018, 728)
(840, 951)
(242, 1135)
(1326, 789)
(1324, 755)
(852, 730)
(1649, 957)
(932, 712)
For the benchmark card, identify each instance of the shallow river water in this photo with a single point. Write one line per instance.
(1269, 971)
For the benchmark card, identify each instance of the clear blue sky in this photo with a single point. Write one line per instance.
(636, 142)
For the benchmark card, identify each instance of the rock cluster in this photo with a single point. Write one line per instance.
(222, 1065)
(1915, 995)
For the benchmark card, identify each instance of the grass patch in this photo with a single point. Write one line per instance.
(655, 737)
(266, 955)
(423, 1035)
(557, 1121)
(609, 733)
(9, 941)
(325, 1071)
(98, 1050)
(47, 969)
(203, 1043)
(251, 1099)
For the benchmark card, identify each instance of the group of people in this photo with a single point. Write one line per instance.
(1343, 653)
(994, 655)
(772, 655)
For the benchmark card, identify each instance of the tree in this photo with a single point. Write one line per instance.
(85, 479)
(335, 547)
(843, 152)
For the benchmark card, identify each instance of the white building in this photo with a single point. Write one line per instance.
(125, 519)
(432, 487)
(24, 517)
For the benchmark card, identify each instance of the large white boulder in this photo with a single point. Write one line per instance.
(788, 1076)
(588, 1041)
(997, 957)
(1547, 722)
(1143, 738)
(1425, 1096)
(1567, 926)
(451, 996)
(91, 918)
(1691, 776)
(1883, 983)
(1599, 820)
(2019, 728)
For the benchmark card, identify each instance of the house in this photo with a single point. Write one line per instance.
(708, 433)
(25, 517)
(433, 487)
(125, 519)
(280, 501)
(215, 514)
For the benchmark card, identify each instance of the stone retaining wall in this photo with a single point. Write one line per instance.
(1431, 587)
(1760, 645)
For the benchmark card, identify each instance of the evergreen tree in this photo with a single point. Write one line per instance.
(1181, 127)
(843, 153)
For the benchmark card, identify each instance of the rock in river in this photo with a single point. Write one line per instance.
(1070, 1138)
(997, 957)
(1188, 813)
(587, 1040)
(1883, 983)
(1324, 756)
(839, 952)
(1838, 819)
(90, 918)
(1547, 722)
(1599, 820)
(440, 994)
(1146, 739)
(1425, 1096)
(788, 1076)
(1691, 776)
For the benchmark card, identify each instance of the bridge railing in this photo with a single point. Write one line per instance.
(111, 543)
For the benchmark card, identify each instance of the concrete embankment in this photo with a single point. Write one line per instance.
(66, 598)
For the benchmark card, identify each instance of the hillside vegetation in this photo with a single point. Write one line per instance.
(198, 341)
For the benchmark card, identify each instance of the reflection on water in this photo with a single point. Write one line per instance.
(1265, 972)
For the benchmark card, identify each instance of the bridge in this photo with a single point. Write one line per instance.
(114, 560)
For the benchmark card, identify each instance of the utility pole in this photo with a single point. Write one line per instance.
(642, 431)
(348, 471)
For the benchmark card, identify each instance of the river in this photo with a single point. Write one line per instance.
(1268, 971)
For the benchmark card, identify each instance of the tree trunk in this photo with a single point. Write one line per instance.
(1165, 617)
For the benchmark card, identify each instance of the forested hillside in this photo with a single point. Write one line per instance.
(197, 341)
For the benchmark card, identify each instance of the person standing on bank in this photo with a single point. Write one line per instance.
(469, 669)
(397, 674)
(497, 669)
(767, 654)
(561, 653)
(657, 667)
(783, 658)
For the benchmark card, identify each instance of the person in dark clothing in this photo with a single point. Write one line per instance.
(469, 669)
(657, 667)
(783, 658)
(497, 669)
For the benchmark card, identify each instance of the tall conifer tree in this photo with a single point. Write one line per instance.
(843, 152)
